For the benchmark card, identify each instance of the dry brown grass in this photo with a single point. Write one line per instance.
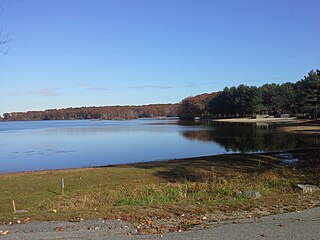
(191, 187)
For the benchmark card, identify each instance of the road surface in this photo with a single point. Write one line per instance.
(297, 225)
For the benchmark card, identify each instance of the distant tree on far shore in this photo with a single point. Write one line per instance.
(308, 97)
(196, 106)
(287, 98)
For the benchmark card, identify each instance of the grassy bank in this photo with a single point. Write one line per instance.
(162, 196)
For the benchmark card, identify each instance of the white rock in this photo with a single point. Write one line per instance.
(249, 193)
(308, 188)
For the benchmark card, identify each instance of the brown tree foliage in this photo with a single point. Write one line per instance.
(196, 106)
(106, 112)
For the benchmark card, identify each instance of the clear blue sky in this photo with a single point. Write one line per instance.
(110, 52)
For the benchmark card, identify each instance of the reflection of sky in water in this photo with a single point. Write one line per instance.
(69, 144)
(66, 144)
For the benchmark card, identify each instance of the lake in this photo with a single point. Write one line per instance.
(40, 145)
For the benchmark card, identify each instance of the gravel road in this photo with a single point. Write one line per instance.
(297, 225)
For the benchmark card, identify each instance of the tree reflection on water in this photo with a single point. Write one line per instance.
(244, 138)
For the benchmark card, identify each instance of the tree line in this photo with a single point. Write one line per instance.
(104, 112)
(300, 98)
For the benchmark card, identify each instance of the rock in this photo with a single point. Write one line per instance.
(308, 188)
(21, 211)
(249, 193)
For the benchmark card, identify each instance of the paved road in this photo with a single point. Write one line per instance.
(298, 225)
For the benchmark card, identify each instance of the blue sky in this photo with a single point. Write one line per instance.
(119, 52)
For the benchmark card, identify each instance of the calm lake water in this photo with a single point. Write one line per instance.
(38, 145)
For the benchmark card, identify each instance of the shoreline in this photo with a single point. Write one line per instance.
(301, 129)
(271, 120)
(285, 125)
(162, 196)
(155, 162)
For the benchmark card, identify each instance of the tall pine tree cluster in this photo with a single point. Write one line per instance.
(302, 98)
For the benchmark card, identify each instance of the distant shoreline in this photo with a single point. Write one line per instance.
(288, 125)
(261, 120)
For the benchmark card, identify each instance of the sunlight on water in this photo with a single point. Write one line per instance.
(38, 145)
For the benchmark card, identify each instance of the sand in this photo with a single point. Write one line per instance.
(260, 120)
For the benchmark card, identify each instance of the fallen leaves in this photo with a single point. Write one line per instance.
(2, 233)
(59, 229)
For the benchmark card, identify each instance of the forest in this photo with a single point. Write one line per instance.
(105, 112)
(300, 99)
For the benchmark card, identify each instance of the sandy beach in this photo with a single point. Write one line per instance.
(261, 120)
(292, 125)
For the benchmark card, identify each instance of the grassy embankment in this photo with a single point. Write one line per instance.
(160, 195)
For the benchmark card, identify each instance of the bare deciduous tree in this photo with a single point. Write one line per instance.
(4, 39)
